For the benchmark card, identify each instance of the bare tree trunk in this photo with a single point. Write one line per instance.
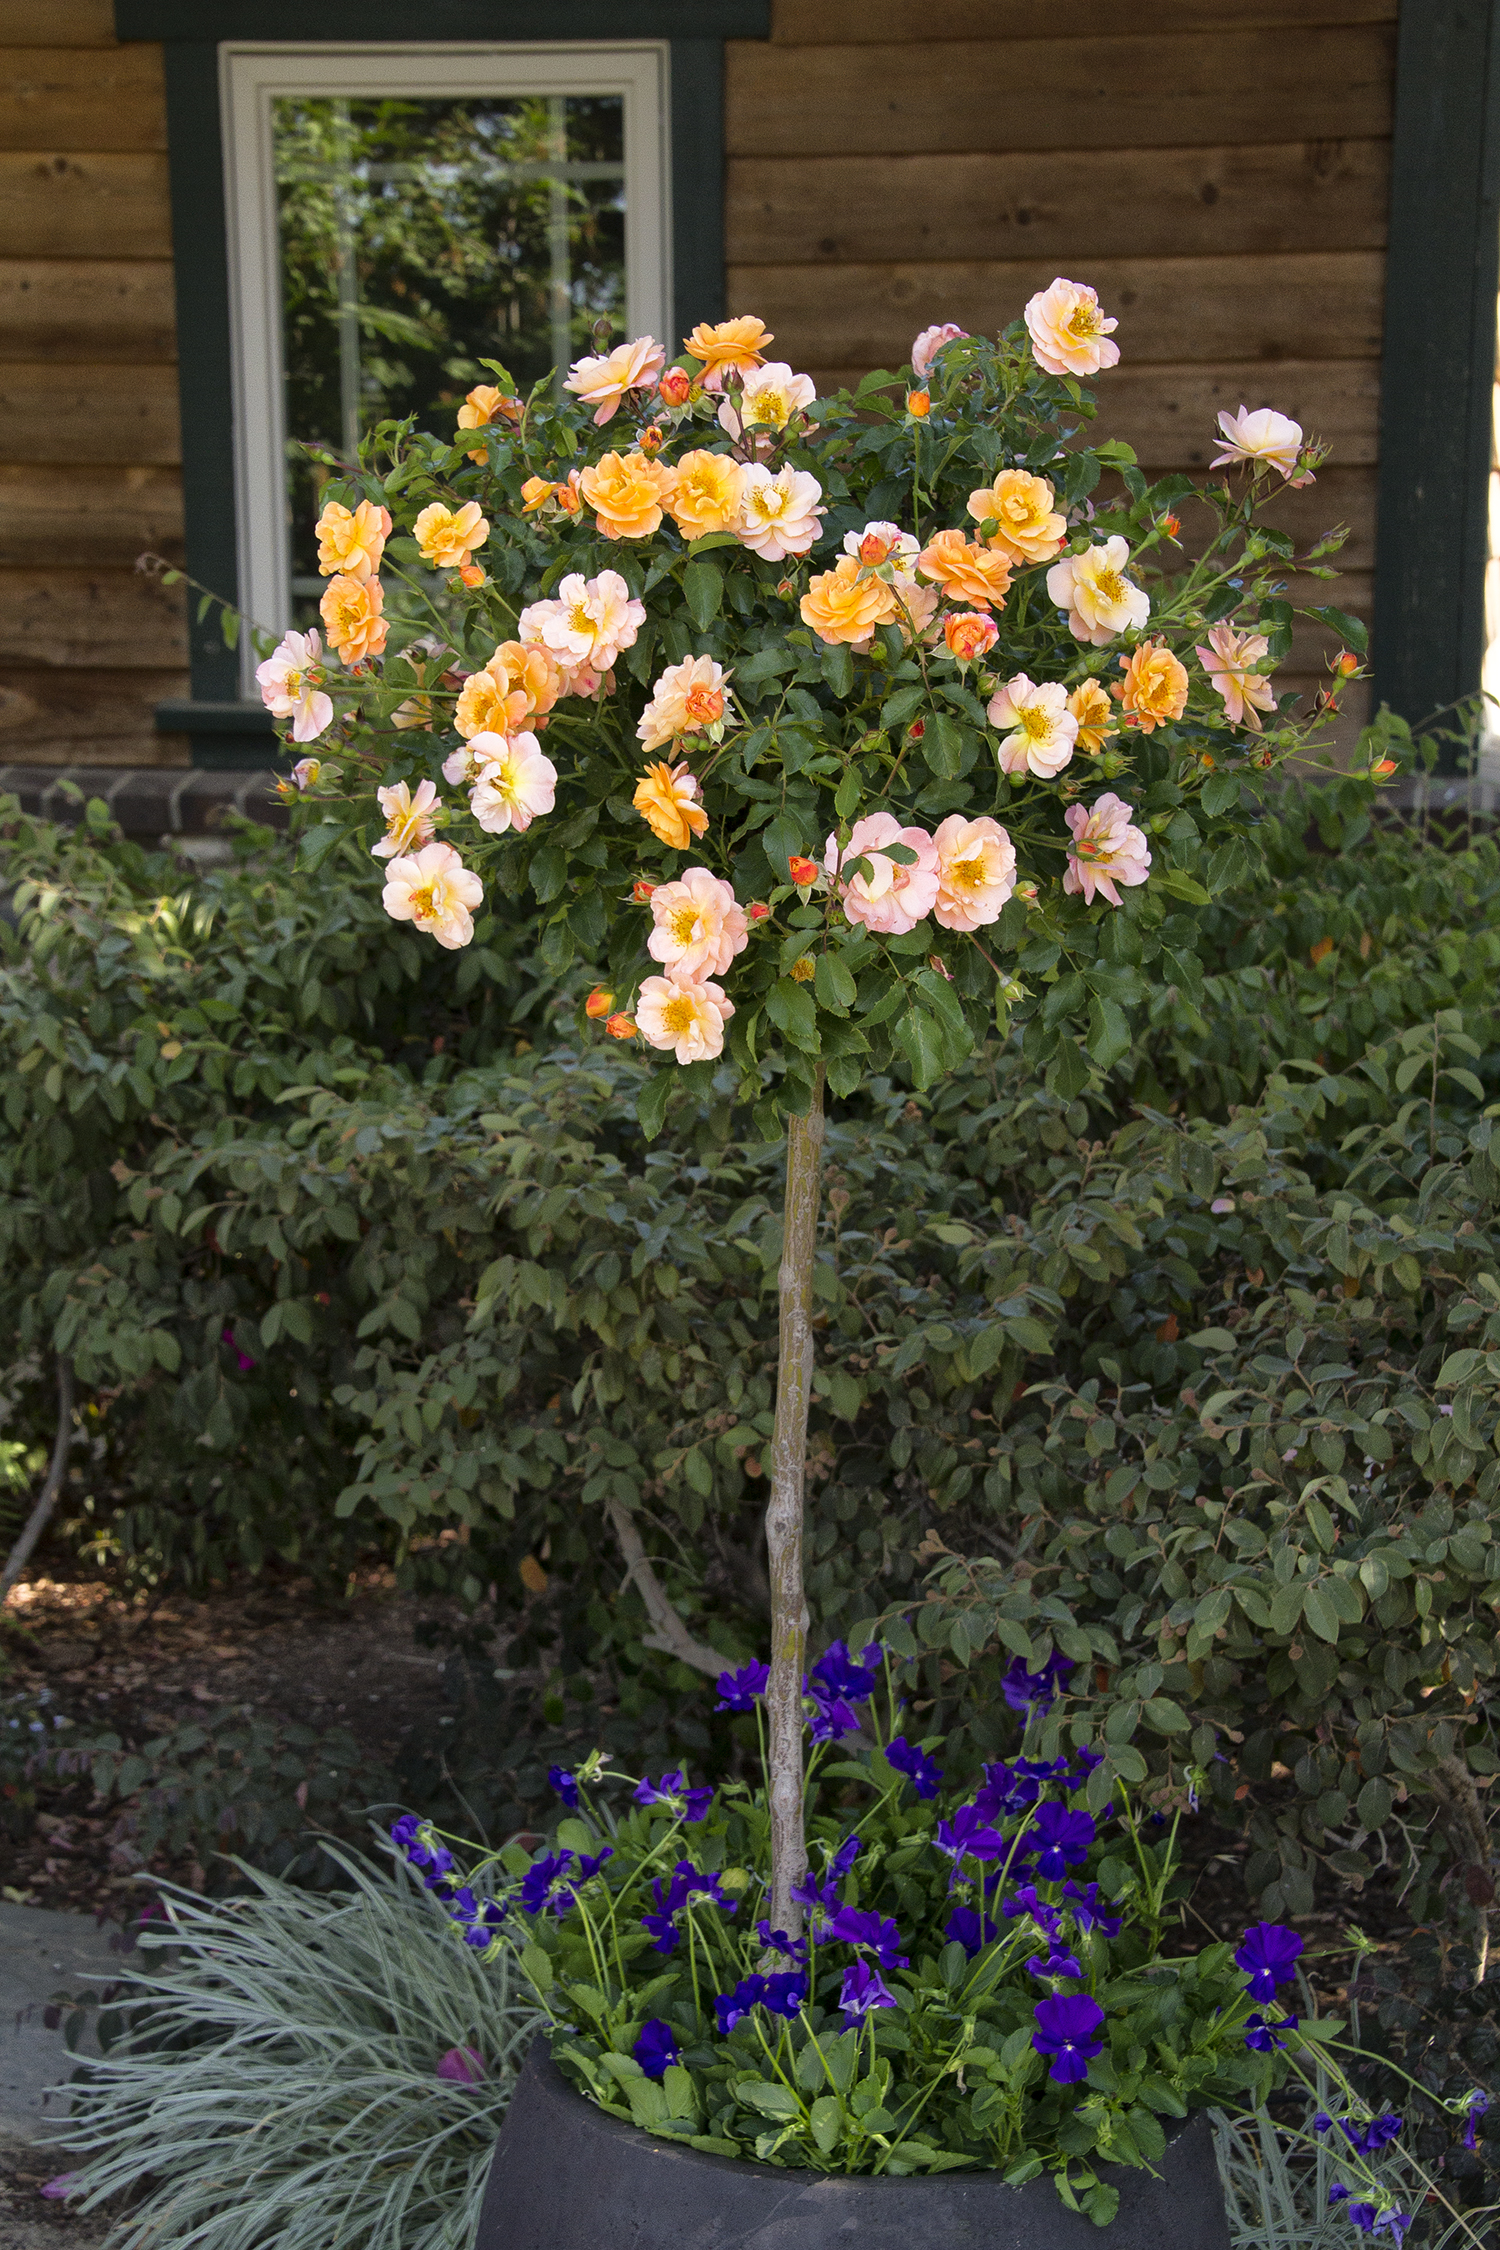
(804, 1178)
(36, 1522)
(669, 1630)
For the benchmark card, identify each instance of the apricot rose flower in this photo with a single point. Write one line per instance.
(434, 890)
(779, 514)
(514, 784)
(353, 613)
(602, 383)
(666, 797)
(846, 604)
(288, 682)
(1264, 439)
(728, 347)
(1069, 333)
(408, 818)
(1093, 588)
(1155, 686)
(706, 495)
(895, 895)
(589, 623)
(686, 698)
(1107, 850)
(351, 543)
(931, 341)
(978, 576)
(1028, 527)
(627, 493)
(976, 871)
(446, 537)
(1091, 707)
(699, 926)
(1230, 661)
(481, 406)
(688, 1017)
(1043, 729)
(772, 394)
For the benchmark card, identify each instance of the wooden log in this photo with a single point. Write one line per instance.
(75, 716)
(84, 206)
(81, 309)
(68, 23)
(867, 22)
(1149, 92)
(71, 97)
(102, 620)
(1322, 303)
(1171, 202)
(109, 515)
(126, 415)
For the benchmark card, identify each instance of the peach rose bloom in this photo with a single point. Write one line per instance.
(1107, 850)
(1091, 707)
(976, 872)
(699, 926)
(843, 604)
(1156, 686)
(779, 514)
(881, 542)
(436, 892)
(446, 538)
(970, 635)
(896, 894)
(771, 396)
(288, 683)
(408, 818)
(688, 1017)
(488, 704)
(706, 495)
(602, 383)
(1229, 660)
(465, 764)
(535, 493)
(353, 614)
(481, 406)
(1024, 508)
(627, 493)
(1264, 439)
(687, 697)
(927, 346)
(727, 347)
(590, 623)
(531, 671)
(515, 782)
(1093, 588)
(350, 545)
(1043, 729)
(979, 576)
(666, 797)
(1069, 334)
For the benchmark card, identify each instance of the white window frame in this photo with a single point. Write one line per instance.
(252, 74)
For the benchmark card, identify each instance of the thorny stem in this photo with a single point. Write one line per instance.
(804, 1172)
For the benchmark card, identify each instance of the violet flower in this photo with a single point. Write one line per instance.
(739, 1691)
(831, 1717)
(840, 1674)
(784, 1993)
(545, 1881)
(1268, 1955)
(923, 1772)
(1026, 1691)
(461, 2066)
(964, 1927)
(1057, 1840)
(1087, 1912)
(1258, 2033)
(673, 1792)
(1067, 2031)
(873, 1933)
(1478, 2103)
(966, 1836)
(844, 1858)
(863, 1988)
(563, 1785)
(781, 1941)
(416, 1840)
(656, 2049)
(669, 1898)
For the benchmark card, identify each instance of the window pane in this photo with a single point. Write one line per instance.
(419, 236)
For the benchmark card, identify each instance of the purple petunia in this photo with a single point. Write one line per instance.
(966, 1836)
(740, 1691)
(673, 1792)
(478, 1919)
(1259, 2036)
(417, 1842)
(863, 1988)
(564, 1785)
(852, 1677)
(1087, 1912)
(686, 1882)
(1478, 2103)
(871, 1932)
(781, 1941)
(1027, 1691)
(656, 2049)
(1067, 2031)
(924, 1773)
(964, 1927)
(545, 1883)
(1268, 1955)
(1057, 1840)
(830, 1717)
(784, 1994)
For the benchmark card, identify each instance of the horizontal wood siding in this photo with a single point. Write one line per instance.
(89, 447)
(1220, 174)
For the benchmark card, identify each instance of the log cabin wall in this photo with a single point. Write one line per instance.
(88, 394)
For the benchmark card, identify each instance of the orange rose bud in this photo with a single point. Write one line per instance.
(471, 574)
(1027, 894)
(1382, 767)
(650, 439)
(641, 892)
(803, 971)
(599, 1002)
(675, 387)
(758, 911)
(802, 871)
(919, 404)
(621, 1027)
(535, 493)
(1346, 662)
(873, 550)
(1171, 526)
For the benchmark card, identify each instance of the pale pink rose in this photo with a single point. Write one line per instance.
(689, 1018)
(772, 394)
(699, 926)
(1043, 731)
(1106, 849)
(602, 383)
(306, 771)
(687, 698)
(976, 871)
(779, 514)
(882, 542)
(1100, 600)
(1229, 660)
(288, 682)
(896, 894)
(463, 764)
(408, 818)
(927, 346)
(588, 626)
(1069, 334)
(1266, 439)
(434, 891)
(515, 782)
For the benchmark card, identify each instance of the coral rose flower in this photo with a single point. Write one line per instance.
(599, 1003)
(353, 612)
(687, 697)
(1091, 707)
(1264, 439)
(488, 704)
(699, 926)
(515, 782)
(688, 1017)
(1069, 334)
(481, 406)
(602, 383)
(803, 871)
(350, 545)
(288, 682)
(666, 797)
(530, 671)
(1156, 686)
(970, 635)
(434, 891)
(779, 514)
(1024, 508)
(621, 1026)
(843, 604)
(919, 405)
(408, 819)
(627, 493)
(728, 347)
(1106, 851)
(446, 538)
(535, 493)
(976, 871)
(771, 396)
(1043, 729)
(675, 387)
(706, 495)
(880, 542)
(896, 894)
(1230, 660)
(1100, 600)
(927, 346)
(966, 572)
(590, 623)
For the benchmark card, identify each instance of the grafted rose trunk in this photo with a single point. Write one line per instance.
(804, 1177)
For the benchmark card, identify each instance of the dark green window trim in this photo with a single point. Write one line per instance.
(224, 731)
(1437, 372)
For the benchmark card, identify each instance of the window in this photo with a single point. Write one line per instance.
(399, 215)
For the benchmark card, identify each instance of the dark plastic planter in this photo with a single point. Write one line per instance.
(567, 2177)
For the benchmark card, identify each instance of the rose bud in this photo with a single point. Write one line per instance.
(675, 387)
(873, 550)
(1346, 662)
(1381, 768)
(621, 1027)
(641, 892)
(758, 911)
(471, 574)
(599, 1002)
(802, 871)
(650, 439)
(919, 405)
(1027, 894)
(1171, 526)
(916, 730)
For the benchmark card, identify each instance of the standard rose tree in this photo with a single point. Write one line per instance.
(833, 731)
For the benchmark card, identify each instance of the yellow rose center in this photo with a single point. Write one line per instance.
(426, 900)
(1109, 585)
(686, 925)
(1036, 723)
(966, 874)
(769, 406)
(1084, 321)
(677, 1018)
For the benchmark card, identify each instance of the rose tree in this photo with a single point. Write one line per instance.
(833, 732)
